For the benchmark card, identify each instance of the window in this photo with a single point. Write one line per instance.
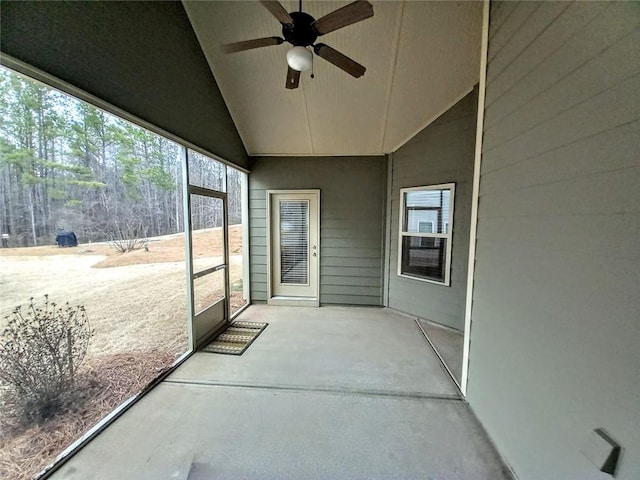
(237, 196)
(116, 191)
(70, 170)
(294, 242)
(424, 247)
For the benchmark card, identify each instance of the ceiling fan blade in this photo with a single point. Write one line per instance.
(339, 60)
(347, 15)
(278, 11)
(293, 78)
(250, 44)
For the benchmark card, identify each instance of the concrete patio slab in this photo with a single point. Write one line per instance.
(196, 432)
(449, 343)
(334, 392)
(329, 347)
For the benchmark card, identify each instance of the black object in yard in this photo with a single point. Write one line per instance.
(65, 238)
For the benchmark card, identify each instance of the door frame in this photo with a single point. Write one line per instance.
(292, 301)
(206, 323)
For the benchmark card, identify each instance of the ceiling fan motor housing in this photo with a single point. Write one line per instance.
(301, 33)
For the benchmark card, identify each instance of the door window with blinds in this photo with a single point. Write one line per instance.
(424, 242)
(294, 242)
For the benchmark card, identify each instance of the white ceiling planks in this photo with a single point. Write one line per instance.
(438, 63)
(420, 57)
(355, 127)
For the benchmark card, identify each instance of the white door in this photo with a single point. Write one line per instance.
(208, 261)
(294, 249)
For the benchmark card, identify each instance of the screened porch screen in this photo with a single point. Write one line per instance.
(294, 242)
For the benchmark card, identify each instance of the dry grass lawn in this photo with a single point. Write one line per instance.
(136, 302)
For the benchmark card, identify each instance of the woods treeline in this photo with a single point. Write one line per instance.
(65, 164)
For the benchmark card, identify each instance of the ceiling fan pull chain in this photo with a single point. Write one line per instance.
(312, 75)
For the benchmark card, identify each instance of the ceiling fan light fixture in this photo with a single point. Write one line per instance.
(300, 58)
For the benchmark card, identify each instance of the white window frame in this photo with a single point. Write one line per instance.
(448, 235)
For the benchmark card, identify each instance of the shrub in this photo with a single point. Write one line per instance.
(128, 237)
(41, 349)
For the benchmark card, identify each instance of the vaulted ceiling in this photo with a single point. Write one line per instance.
(421, 58)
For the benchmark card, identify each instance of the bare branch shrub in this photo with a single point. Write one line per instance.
(129, 236)
(41, 349)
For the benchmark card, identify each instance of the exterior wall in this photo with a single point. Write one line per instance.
(555, 330)
(351, 222)
(441, 153)
(142, 57)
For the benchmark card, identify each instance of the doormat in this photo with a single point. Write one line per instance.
(236, 338)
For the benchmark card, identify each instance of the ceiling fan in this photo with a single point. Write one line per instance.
(301, 30)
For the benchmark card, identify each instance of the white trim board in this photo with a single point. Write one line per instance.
(475, 197)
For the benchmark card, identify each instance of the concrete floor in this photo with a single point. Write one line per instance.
(331, 392)
(449, 343)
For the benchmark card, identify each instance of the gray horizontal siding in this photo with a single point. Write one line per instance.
(348, 231)
(550, 199)
(351, 223)
(337, 242)
(605, 111)
(527, 32)
(555, 331)
(569, 161)
(258, 288)
(355, 281)
(589, 235)
(516, 18)
(531, 53)
(584, 35)
(442, 153)
(349, 290)
(338, 262)
(349, 252)
(329, 299)
(347, 272)
(500, 12)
